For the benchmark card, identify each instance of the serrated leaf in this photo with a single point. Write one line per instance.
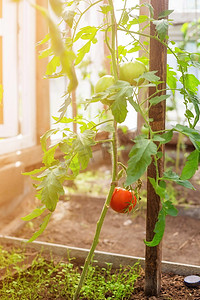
(140, 159)
(125, 17)
(191, 165)
(45, 136)
(45, 53)
(51, 189)
(105, 8)
(34, 214)
(60, 49)
(121, 92)
(134, 104)
(52, 65)
(191, 82)
(160, 191)
(161, 28)
(163, 138)
(85, 33)
(170, 209)
(158, 230)
(167, 209)
(157, 99)
(119, 110)
(172, 176)
(48, 157)
(64, 107)
(167, 136)
(196, 103)
(150, 76)
(171, 79)
(165, 13)
(42, 228)
(192, 133)
(82, 146)
(34, 172)
(75, 165)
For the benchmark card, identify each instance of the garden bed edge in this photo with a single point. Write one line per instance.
(101, 257)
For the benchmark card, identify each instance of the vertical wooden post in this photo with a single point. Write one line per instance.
(158, 60)
(144, 91)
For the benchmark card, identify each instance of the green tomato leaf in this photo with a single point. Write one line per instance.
(150, 76)
(161, 28)
(192, 133)
(45, 136)
(64, 107)
(140, 159)
(105, 9)
(170, 209)
(165, 13)
(167, 136)
(85, 33)
(157, 99)
(134, 104)
(82, 146)
(75, 165)
(191, 82)
(34, 172)
(196, 103)
(158, 230)
(48, 157)
(171, 79)
(172, 176)
(51, 189)
(45, 53)
(42, 228)
(167, 209)
(119, 110)
(52, 65)
(125, 18)
(120, 93)
(34, 214)
(160, 191)
(191, 165)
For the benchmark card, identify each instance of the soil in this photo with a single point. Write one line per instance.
(173, 287)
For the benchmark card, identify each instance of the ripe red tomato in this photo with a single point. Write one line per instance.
(122, 200)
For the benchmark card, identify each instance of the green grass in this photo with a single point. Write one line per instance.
(49, 280)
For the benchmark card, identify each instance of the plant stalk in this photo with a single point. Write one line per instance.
(102, 216)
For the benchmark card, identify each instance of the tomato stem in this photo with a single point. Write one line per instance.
(103, 213)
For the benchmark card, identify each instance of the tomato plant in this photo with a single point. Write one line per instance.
(123, 200)
(123, 89)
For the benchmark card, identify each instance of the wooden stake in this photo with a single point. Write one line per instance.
(143, 93)
(158, 60)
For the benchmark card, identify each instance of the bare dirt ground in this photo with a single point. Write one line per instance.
(74, 224)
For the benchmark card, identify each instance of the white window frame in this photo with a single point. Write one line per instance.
(24, 79)
(8, 31)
